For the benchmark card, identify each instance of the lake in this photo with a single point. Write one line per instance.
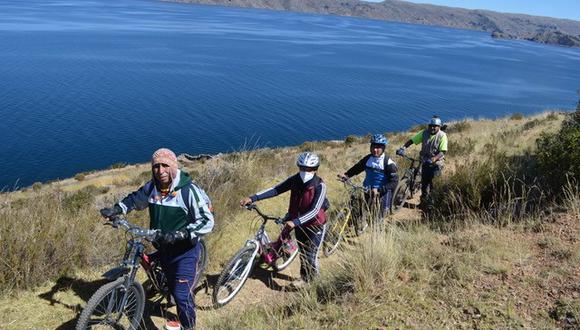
(85, 84)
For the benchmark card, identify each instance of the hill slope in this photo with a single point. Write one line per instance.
(546, 30)
(460, 271)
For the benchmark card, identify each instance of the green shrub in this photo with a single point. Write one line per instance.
(118, 165)
(552, 116)
(83, 198)
(46, 241)
(517, 116)
(558, 154)
(350, 140)
(459, 127)
(307, 146)
(531, 124)
(499, 187)
(461, 147)
(141, 178)
(566, 309)
(36, 186)
(80, 176)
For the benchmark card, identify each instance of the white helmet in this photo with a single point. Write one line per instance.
(308, 159)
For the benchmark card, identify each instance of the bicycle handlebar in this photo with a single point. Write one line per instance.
(266, 217)
(148, 234)
(409, 158)
(348, 182)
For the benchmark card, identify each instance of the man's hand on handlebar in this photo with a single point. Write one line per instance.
(111, 212)
(342, 177)
(245, 201)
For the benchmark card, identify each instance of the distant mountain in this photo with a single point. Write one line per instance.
(540, 29)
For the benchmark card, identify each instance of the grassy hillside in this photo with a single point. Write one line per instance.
(503, 252)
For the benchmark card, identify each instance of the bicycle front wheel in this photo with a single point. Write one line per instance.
(114, 306)
(335, 233)
(234, 276)
(401, 194)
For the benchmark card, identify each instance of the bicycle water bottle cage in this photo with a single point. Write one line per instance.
(270, 257)
(288, 247)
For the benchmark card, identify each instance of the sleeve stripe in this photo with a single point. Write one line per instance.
(316, 208)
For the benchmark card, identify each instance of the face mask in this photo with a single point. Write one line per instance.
(306, 176)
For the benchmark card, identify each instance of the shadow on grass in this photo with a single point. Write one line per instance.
(85, 289)
(265, 276)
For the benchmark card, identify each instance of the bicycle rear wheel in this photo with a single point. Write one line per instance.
(201, 263)
(233, 276)
(401, 194)
(105, 309)
(285, 259)
(334, 235)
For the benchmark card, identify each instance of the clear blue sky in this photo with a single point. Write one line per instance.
(553, 8)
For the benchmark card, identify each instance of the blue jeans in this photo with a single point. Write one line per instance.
(309, 241)
(180, 269)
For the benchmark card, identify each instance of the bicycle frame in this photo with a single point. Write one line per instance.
(134, 254)
(239, 267)
(355, 202)
(122, 276)
(412, 172)
(261, 241)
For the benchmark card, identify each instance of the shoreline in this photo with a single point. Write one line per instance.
(118, 167)
(504, 26)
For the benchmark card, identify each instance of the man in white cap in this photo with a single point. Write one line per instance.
(433, 148)
(180, 210)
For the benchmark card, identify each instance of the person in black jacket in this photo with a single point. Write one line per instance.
(381, 173)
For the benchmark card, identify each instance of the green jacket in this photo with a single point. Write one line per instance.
(172, 212)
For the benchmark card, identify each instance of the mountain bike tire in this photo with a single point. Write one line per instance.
(102, 309)
(237, 269)
(402, 192)
(201, 263)
(285, 259)
(339, 222)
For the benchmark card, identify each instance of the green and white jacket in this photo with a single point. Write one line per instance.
(177, 210)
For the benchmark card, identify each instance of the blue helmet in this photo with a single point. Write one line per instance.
(435, 121)
(379, 139)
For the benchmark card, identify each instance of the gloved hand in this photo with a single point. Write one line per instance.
(342, 177)
(170, 238)
(400, 151)
(109, 212)
(245, 201)
(175, 236)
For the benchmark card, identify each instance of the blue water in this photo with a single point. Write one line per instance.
(85, 84)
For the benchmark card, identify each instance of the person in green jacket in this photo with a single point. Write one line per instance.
(433, 148)
(180, 210)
